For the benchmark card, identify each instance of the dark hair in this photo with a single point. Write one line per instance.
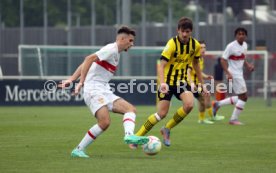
(202, 42)
(185, 23)
(240, 29)
(126, 30)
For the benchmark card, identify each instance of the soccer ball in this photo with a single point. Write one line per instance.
(153, 146)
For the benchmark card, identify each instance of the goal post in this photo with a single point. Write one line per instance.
(35, 60)
(139, 63)
(50, 60)
(260, 59)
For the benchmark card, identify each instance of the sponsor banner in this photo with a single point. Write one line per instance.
(45, 92)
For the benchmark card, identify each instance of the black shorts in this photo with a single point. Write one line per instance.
(196, 94)
(176, 90)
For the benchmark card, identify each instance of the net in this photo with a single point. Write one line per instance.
(138, 62)
(63, 60)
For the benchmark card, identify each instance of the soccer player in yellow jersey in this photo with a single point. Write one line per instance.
(203, 100)
(179, 52)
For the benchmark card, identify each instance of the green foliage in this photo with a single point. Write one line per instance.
(156, 11)
(10, 12)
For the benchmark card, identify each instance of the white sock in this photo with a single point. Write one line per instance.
(237, 110)
(90, 136)
(230, 100)
(129, 123)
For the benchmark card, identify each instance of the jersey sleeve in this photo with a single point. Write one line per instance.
(104, 54)
(169, 50)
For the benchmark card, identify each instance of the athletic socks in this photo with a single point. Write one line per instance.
(129, 123)
(90, 136)
(237, 110)
(201, 116)
(210, 111)
(147, 126)
(230, 100)
(177, 118)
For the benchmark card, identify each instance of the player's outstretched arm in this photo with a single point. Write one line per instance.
(74, 76)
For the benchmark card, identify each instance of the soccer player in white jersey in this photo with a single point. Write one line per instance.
(95, 73)
(232, 61)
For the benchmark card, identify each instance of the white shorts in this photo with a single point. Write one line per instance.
(99, 95)
(239, 85)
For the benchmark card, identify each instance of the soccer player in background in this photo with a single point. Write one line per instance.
(179, 52)
(204, 101)
(233, 60)
(95, 73)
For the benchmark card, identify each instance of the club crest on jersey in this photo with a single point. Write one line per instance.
(192, 51)
(161, 95)
(101, 100)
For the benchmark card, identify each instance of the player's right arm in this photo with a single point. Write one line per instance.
(84, 70)
(72, 78)
(224, 65)
(224, 62)
(165, 57)
(163, 86)
(76, 74)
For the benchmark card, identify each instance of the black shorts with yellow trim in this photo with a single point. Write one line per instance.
(196, 94)
(174, 90)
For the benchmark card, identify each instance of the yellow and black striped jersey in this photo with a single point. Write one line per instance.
(193, 75)
(179, 56)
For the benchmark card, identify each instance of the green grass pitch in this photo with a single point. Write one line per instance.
(40, 139)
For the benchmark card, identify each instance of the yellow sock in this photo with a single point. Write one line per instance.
(210, 112)
(147, 126)
(177, 118)
(201, 115)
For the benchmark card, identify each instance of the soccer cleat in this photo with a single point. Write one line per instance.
(79, 153)
(217, 118)
(215, 107)
(235, 122)
(205, 122)
(133, 146)
(138, 140)
(166, 136)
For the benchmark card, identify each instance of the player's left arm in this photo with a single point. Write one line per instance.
(207, 76)
(250, 67)
(196, 66)
(189, 77)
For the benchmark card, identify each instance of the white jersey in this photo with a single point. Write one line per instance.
(104, 69)
(235, 54)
